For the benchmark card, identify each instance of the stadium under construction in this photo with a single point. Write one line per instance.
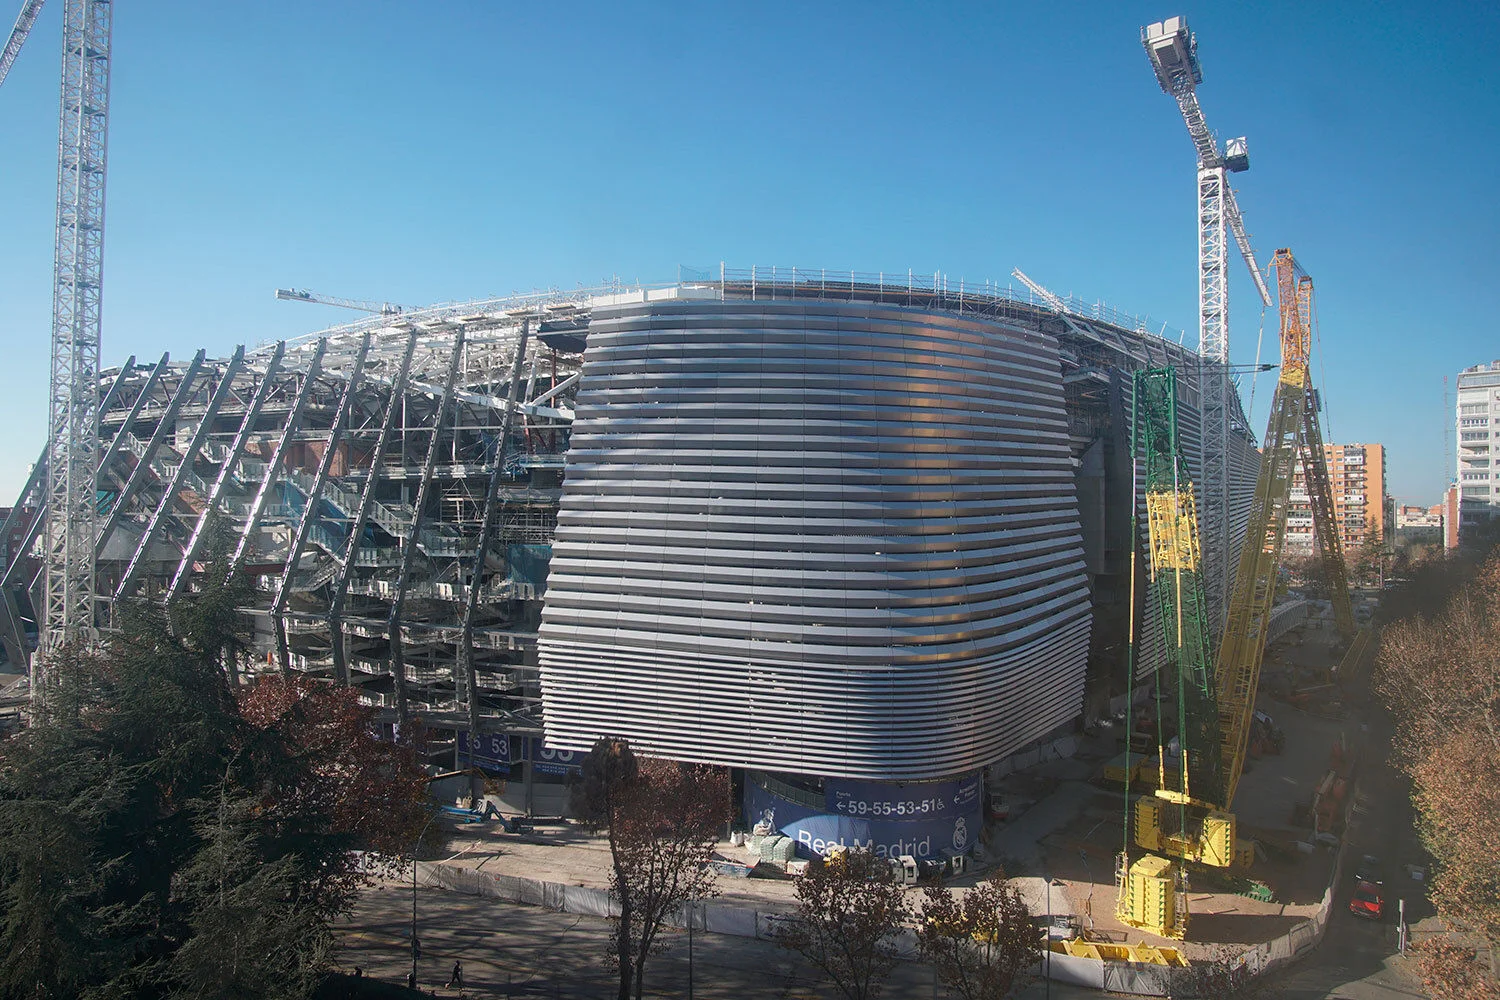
(845, 531)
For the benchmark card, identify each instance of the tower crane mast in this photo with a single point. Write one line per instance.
(78, 278)
(1173, 51)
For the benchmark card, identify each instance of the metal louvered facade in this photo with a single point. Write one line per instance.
(825, 537)
(822, 524)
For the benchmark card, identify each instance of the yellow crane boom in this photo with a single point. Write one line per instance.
(1292, 433)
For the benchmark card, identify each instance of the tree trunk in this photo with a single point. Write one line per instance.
(622, 949)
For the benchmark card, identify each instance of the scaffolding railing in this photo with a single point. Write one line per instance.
(929, 289)
(933, 289)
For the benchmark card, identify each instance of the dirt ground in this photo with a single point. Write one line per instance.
(1079, 843)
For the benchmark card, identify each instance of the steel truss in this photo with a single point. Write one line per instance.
(78, 277)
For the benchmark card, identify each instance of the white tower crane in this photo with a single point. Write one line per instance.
(303, 295)
(77, 286)
(29, 11)
(1174, 56)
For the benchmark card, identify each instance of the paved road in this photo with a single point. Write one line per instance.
(509, 949)
(1357, 959)
(512, 950)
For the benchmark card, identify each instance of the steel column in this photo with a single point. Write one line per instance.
(226, 471)
(314, 497)
(33, 491)
(108, 399)
(34, 496)
(135, 411)
(362, 515)
(466, 671)
(189, 455)
(139, 473)
(409, 544)
(1325, 519)
(278, 455)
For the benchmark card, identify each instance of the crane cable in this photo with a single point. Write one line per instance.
(1317, 336)
(1255, 376)
(1130, 651)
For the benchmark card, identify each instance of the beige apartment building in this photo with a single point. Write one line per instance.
(1361, 503)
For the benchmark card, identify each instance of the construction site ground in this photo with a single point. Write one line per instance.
(1068, 826)
(1075, 830)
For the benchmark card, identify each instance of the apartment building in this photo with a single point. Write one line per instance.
(1416, 525)
(1478, 436)
(1362, 504)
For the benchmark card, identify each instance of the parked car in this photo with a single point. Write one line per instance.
(1368, 901)
(1370, 870)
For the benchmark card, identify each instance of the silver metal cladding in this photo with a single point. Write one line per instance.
(838, 538)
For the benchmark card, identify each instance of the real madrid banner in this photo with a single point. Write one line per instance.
(925, 819)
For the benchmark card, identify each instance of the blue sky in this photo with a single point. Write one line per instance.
(432, 152)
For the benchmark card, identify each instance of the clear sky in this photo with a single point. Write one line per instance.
(440, 151)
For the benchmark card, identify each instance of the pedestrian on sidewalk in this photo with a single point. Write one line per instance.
(457, 978)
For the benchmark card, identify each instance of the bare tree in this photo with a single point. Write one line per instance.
(848, 912)
(663, 820)
(1440, 676)
(1221, 976)
(982, 944)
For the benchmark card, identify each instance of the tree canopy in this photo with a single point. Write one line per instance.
(160, 837)
(1440, 676)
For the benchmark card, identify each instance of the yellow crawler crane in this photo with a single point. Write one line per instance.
(1293, 431)
(1152, 891)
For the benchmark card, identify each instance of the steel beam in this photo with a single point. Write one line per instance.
(34, 496)
(310, 512)
(135, 411)
(226, 472)
(362, 515)
(466, 671)
(12, 635)
(33, 490)
(409, 544)
(189, 455)
(108, 399)
(142, 469)
(278, 455)
(37, 523)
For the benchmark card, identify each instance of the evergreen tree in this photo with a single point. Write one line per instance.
(157, 841)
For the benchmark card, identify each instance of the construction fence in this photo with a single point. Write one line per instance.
(739, 921)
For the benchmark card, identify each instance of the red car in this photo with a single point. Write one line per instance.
(1367, 901)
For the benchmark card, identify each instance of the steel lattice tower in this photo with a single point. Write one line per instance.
(1173, 51)
(78, 273)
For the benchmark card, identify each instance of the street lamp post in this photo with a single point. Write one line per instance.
(415, 948)
(1047, 939)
